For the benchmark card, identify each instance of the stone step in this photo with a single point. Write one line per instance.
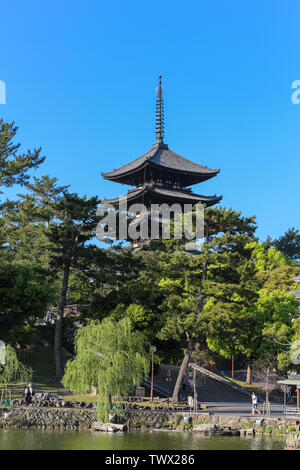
(209, 389)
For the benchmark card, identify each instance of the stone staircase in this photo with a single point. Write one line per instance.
(212, 390)
(211, 387)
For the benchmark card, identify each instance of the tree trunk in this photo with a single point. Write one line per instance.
(59, 366)
(249, 374)
(191, 342)
(182, 369)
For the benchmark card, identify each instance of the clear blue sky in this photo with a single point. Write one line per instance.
(81, 80)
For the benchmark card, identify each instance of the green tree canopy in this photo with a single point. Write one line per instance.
(194, 286)
(25, 291)
(27, 221)
(289, 244)
(110, 356)
(74, 225)
(13, 370)
(14, 166)
(266, 258)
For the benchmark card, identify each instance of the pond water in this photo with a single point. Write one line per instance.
(156, 440)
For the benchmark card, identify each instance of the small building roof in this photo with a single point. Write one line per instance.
(289, 382)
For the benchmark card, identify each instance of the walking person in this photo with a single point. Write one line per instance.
(254, 404)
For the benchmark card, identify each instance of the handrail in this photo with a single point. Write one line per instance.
(221, 379)
(158, 388)
(291, 412)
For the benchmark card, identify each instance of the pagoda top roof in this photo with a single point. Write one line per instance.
(162, 157)
(160, 162)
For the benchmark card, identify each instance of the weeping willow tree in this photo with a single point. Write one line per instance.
(111, 357)
(12, 370)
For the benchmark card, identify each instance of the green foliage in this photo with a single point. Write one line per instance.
(263, 324)
(27, 222)
(140, 316)
(276, 307)
(279, 313)
(279, 278)
(13, 166)
(13, 370)
(75, 224)
(266, 258)
(25, 291)
(178, 419)
(20, 335)
(289, 244)
(109, 356)
(220, 282)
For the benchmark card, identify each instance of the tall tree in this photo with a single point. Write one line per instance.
(220, 271)
(75, 225)
(255, 329)
(110, 356)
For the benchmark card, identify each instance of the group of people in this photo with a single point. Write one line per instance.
(28, 394)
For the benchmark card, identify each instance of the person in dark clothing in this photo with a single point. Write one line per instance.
(31, 392)
(26, 396)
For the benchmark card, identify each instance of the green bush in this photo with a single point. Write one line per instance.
(178, 418)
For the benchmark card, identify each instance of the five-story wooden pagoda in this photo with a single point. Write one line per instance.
(161, 175)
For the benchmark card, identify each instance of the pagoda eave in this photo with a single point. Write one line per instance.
(187, 178)
(156, 195)
(160, 160)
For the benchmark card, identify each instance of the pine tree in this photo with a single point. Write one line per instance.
(14, 166)
(289, 244)
(27, 220)
(75, 225)
(222, 271)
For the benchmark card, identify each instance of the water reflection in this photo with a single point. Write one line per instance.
(158, 440)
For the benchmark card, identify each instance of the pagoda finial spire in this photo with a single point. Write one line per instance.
(159, 132)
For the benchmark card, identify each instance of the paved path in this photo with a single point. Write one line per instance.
(243, 409)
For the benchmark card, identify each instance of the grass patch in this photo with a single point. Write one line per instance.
(249, 388)
(85, 398)
(41, 361)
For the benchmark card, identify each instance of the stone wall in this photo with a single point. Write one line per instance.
(176, 420)
(51, 418)
(63, 418)
(292, 442)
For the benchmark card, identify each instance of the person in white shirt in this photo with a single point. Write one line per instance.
(254, 404)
